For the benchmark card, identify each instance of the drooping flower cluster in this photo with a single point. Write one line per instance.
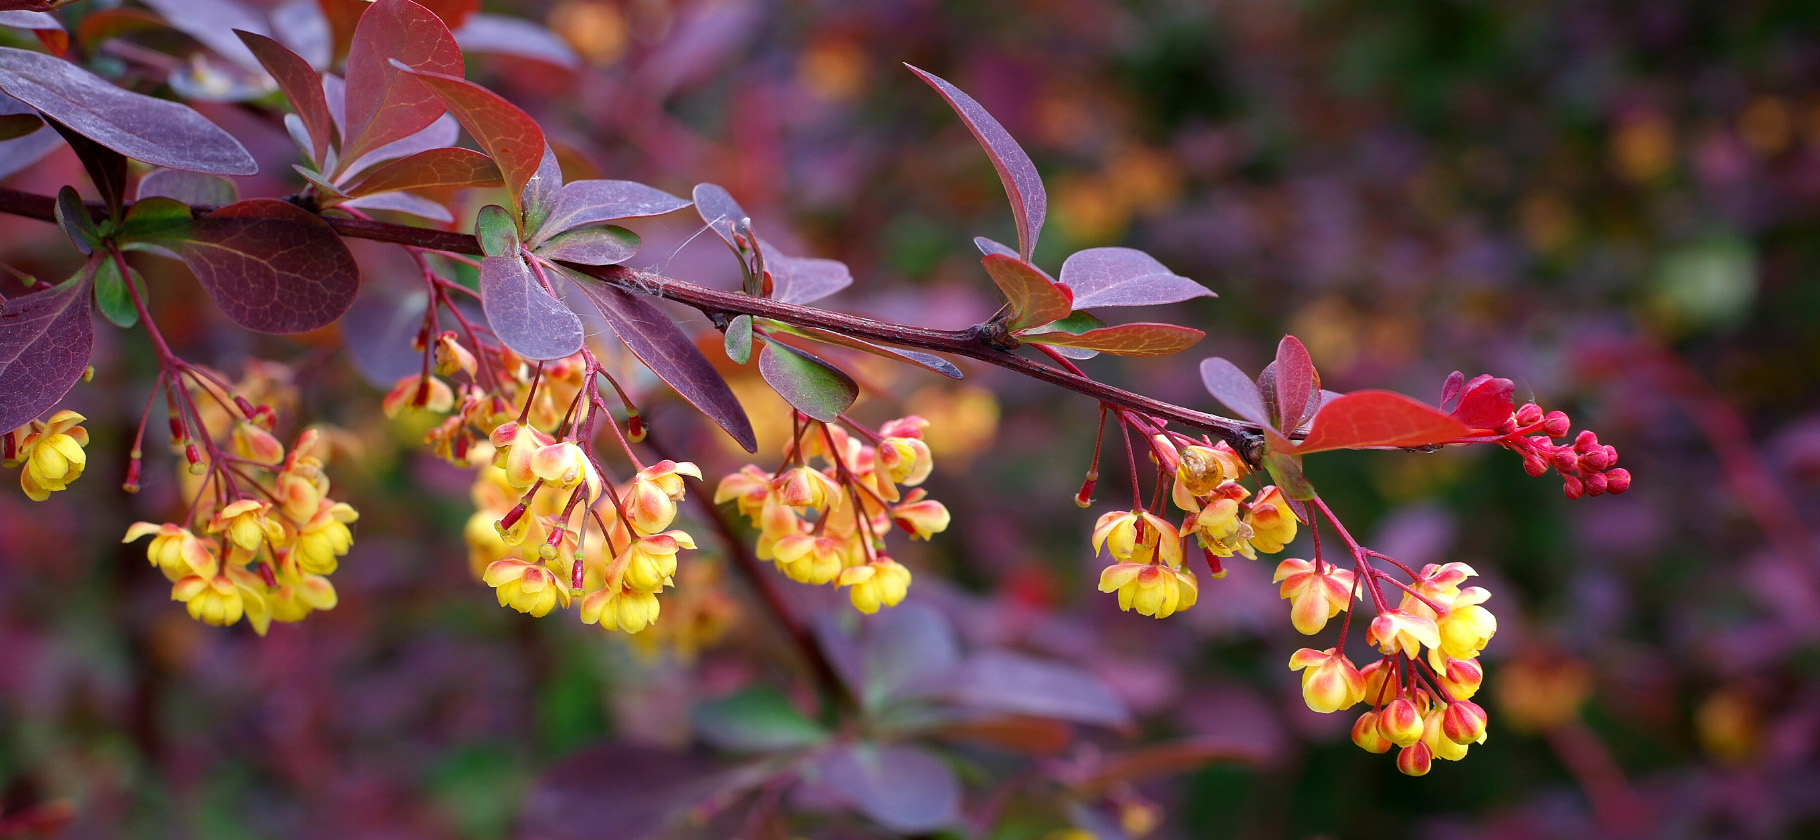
(49, 453)
(1219, 512)
(823, 515)
(1586, 466)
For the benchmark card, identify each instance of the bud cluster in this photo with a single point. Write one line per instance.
(1586, 466)
(823, 514)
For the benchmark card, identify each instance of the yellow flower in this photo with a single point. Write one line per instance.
(880, 583)
(1401, 722)
(52, 454)
(526, 587)
(1314, 595)
(815, 559)
(651, 561)
(247, 523)
(1150, 589)
(1462, 722)
(516, 448)
(806, 488)
(218, 600)
(324, 538)
(906, 460)
(175, 551)
(1398, 630)
(1460, 678)
(1202, 469)
(1272, 523)
(1434, 737)
(1466, 627)
(422, 393)
(1329, 680)
(1365, 733)
(749, 487)
(256, 444)
(920, 517)
(650, 500)
(1117, 533)
(620, 609)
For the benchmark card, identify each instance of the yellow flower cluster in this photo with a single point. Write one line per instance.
(268, 541)
(50, 453)
(823, 515)
(1146, 549)
(1420, 704)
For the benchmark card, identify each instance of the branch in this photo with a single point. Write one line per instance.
(971, 343)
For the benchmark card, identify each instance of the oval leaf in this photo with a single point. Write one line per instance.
(1003, 681)
(301, 84)
(111, 294)
(156, 131)
(384, 102)
(904, 788)
(1235, 390)
(667, 351)
(515, 37)
(72, 216)
(1140, 339)
(718, 209)
(45, 339)
(1124, 277)
(604, 245)
(526, 317)
(1298, 386)
(804, 279)
(758, 719)
(922, 360)
(1035, 299)
(1023, 185)
(1379, 418)
(189, 188)
(514, 140)
(804, 380)
(584, 203)
(497, 232)
(739, 339)
(431, 169)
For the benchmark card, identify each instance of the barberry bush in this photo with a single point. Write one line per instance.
(644, 421)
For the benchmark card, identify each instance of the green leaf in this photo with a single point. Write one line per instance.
(739, 339)
(73, 218)
(154, 221)
(497, 230)
(815, 387)
(111, 295)
(757, 719)
(1286, 470)
(1141, 339)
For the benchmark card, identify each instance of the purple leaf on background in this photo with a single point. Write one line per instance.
(663, 347)
(804, 279)
(591, 796)
(1035, 299)
(189, 187)
(1004, 681)
(1297, 385)
(1022, 184)
(402, 202)
(300, 25)
(447, 168)
(270, 265)
(540, 192)
(718, 209)
(525, 316)
(515, 37)
(156, 131)
(806, 381)
(301, 84)
(1237, 391)
(213, 22)
(1124, 277)
(904, 788)
(21, 152)
(920, 359)
(604, 245)
(905, 652)
(989, 247)
(378, 329)
(385, 104)
(45, 339)
(514, 140)
(756, 719)
(584, 203)
(1139, 339)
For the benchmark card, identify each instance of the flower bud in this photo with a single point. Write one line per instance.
(1529, 415)
(1084, 499)
(1595, 484)
(1598, 459)
(1617, 480)
(1463, 722)
(1556, 424)
(1415, 760)
(1573, 488)
(1400, 722)
(1365, 733)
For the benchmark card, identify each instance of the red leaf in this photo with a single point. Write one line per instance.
(301, 84)
(1298, 387)
(1035, 299)
(661, 345)
(1486, 402)
(384, 103)
(270, 265)
(508, 134)
(1139, 339)
(1029, 203)
(432, 169)
(1236, 390)
(1364, 419)
(584, 203)
(156, 131)
(528, 319)
(45, 339)
(455, 13)
(1124, 277)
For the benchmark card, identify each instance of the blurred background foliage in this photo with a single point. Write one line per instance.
(1617, 204)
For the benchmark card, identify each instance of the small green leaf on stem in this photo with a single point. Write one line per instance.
(815, 387)
(73, 218)
(497, 231)
(1286, 470)
(739, 339)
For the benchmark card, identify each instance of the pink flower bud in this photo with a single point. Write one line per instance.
(1529, 415)
(1415, 760)
(1617, 481)
(1556, 424)
(1565, 460)
(1595, 484)
(1463, 722)
(1596, 460)
(1534, 464)
(1573, 488)
(1585, 441)
(1401, 722)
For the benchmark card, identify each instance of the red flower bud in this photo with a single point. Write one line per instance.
(1463, 722)
(1595, 484)
(1415, 760)
(1585, 441)
(1529, 415)
(1556, 424)
(1617, 481)
(1573, 488)
(1365, 733)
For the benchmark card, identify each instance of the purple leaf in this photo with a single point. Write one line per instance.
(989, 247)
(584, 203)
(718, 210)
(1298, 386)
(624, 792)
(106, 168)
(806, 381)
(922, 360)
(156, 131)
(668, 352)
(44, 25)
(1237, 391)
(189, 187)
(540, 192)
(804, 279)
(514, 37)
(515, 141)
(1124, 277)
(301, 84)
(905, 788)
(1004, 681)
(604, 245)
(402, 202)
(905, 652)
(45, 338)
(270, 265)
(1022, 184)
(21, 152)
(378, 329)
(385, 104)
(440, 134)
(528, 319)
(213, 22)
(757, 719)
(301, 26)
